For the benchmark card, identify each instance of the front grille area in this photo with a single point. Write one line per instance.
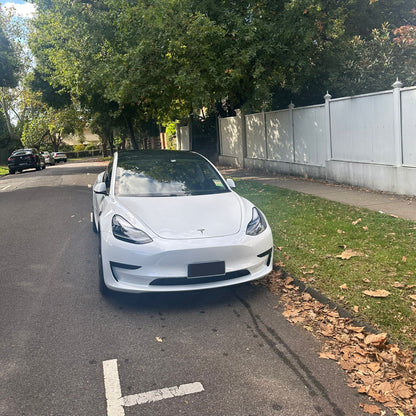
(179, 281)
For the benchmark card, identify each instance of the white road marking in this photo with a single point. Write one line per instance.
(112, 388)
(115, 401)
(8, 186)
(161, 394)
(91, 217)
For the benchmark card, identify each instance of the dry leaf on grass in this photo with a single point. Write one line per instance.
(347, 254)
(356, 221)
(381, 293)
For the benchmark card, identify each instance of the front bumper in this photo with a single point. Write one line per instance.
(162, 266)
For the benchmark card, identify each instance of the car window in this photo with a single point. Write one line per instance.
(167, 176)
(107, 176)
(22, 152)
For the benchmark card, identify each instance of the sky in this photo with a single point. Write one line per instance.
(21, 7)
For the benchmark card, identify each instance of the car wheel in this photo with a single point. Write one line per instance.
(104, 290)
(12, 171)
(44, 166)
(38, 166)
(20, 170)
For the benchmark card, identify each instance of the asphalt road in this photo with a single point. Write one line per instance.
(65, 350)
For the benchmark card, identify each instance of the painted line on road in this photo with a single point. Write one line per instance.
(8, 186)
(161, 394)
(116, 402)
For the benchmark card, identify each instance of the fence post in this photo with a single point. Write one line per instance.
(242, 116)
(292, 130)
(265, 135)
(327, 98)
(397, 122)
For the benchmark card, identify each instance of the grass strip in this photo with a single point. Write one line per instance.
(4, 170)
(310, 232)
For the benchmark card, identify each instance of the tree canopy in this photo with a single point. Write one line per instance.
(130, 63)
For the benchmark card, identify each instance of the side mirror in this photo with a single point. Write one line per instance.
(100, 188)
(230, 183)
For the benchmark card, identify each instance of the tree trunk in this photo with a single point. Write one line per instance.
(131, 134)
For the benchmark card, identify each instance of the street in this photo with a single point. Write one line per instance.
(67, 351)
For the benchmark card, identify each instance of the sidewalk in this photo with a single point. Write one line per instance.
(397, 205)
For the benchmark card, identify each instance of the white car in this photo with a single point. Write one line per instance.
(168, 221)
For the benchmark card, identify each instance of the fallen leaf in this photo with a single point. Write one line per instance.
(394, 216)
(412, 297)
(347, 254)
(381, 293)
(344, 287)
(365, 228)
(398, 285)
(356, 309)
(158, 339)
(328, 356)
(356, 221)
(399, 389)
(404, 260)
(376, 339)
(372, 409)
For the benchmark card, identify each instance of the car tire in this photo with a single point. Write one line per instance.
(20, 170)
(38, 166)
(104, 290)
(12, 171)
(44, 166)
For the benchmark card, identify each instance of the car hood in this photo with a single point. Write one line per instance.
(185, 217)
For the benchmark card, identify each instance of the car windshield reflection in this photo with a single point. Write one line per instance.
(166, 176)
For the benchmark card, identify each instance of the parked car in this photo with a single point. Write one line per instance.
(49, 160)
(168, 221)
(23, 159)
(59, 157)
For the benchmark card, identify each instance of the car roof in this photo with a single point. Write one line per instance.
(158, 155)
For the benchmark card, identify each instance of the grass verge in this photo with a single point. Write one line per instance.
(4, 170)
(309, 233)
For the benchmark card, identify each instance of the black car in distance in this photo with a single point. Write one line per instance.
(25, 159)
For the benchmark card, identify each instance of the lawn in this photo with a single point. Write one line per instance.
(4, 170)
(309, 235)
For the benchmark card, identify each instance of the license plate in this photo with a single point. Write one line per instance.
(206, 269)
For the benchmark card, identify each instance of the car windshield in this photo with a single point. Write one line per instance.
(166, 173)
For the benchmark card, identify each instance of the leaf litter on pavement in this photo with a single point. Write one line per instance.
(382, 371)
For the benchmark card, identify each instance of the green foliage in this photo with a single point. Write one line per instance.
(146, 62)
(171, 135)
(9, 64)
(79, 147)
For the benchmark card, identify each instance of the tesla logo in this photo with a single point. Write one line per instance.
(201, 230)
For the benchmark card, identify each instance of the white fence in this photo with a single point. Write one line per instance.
(367, 140)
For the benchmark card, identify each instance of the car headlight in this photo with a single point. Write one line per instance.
(257, 224)
(124, 231)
